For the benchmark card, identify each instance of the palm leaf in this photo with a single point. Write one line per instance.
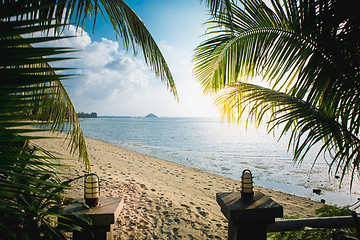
(305, 50)
(309, 125)
(218, 6)
(133, 31)
(29, 84)
(31, 93)
(127, 25)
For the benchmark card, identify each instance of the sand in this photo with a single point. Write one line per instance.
(163, 200)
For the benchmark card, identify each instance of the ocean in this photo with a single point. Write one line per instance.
(215, 147)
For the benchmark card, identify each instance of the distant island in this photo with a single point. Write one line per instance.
(151, 115)
(87, 115)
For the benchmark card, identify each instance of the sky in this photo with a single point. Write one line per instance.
(113, 82)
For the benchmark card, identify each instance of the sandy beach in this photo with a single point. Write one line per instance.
(162, 200)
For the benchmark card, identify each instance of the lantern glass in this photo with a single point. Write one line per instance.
(247, 192)
(91, 189)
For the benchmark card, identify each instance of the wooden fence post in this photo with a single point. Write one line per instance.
(248, 218)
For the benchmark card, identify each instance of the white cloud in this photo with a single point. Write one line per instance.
(98, 54)
(107, 74)
(108, 77)
(80, 40)
(163, 45)
(114, 82)
(76, 38)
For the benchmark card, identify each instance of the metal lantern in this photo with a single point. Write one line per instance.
(92, 189)
(247, 192)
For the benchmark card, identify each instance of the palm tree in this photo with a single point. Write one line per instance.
(31, 92)
(30, 187)
(306, 53)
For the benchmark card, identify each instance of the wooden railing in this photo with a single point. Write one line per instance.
(321, 222)
(259, 216)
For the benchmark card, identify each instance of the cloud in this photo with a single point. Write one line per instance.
(112, 81)
(105, 70)
(107, 75)
(99, 54)
(77, 38)
(164, 45)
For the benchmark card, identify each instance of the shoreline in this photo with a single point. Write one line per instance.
(231, 150)
(330, 196)
(162, 199)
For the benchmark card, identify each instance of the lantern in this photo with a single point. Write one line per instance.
(92, 189)
(247, 192)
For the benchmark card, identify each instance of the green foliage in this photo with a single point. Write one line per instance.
(311, 233)
(329, 211)
(307, 55)
(87, 115)
(31, 209)
(31, 93)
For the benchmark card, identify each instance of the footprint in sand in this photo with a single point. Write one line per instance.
(143, 186)
(219, 225)
(175, 231)
(204, 214)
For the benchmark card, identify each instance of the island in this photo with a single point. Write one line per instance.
(87, 115)
(151, 115)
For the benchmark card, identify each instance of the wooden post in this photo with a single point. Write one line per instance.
(102, 217)
(248, 219)
(247, 230)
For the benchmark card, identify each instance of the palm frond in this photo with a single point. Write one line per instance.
(306, 50)
(133, 31)
(255, 43)
(31, 93)
(127, 25)
(310, 126)
(29, 85)
(218, 6)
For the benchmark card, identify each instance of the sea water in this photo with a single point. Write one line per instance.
(215, 147)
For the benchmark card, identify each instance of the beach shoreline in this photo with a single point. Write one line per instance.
(162, 199)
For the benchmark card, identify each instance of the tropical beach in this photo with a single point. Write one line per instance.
(225, 149)
(289, 67)
(162, 200)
